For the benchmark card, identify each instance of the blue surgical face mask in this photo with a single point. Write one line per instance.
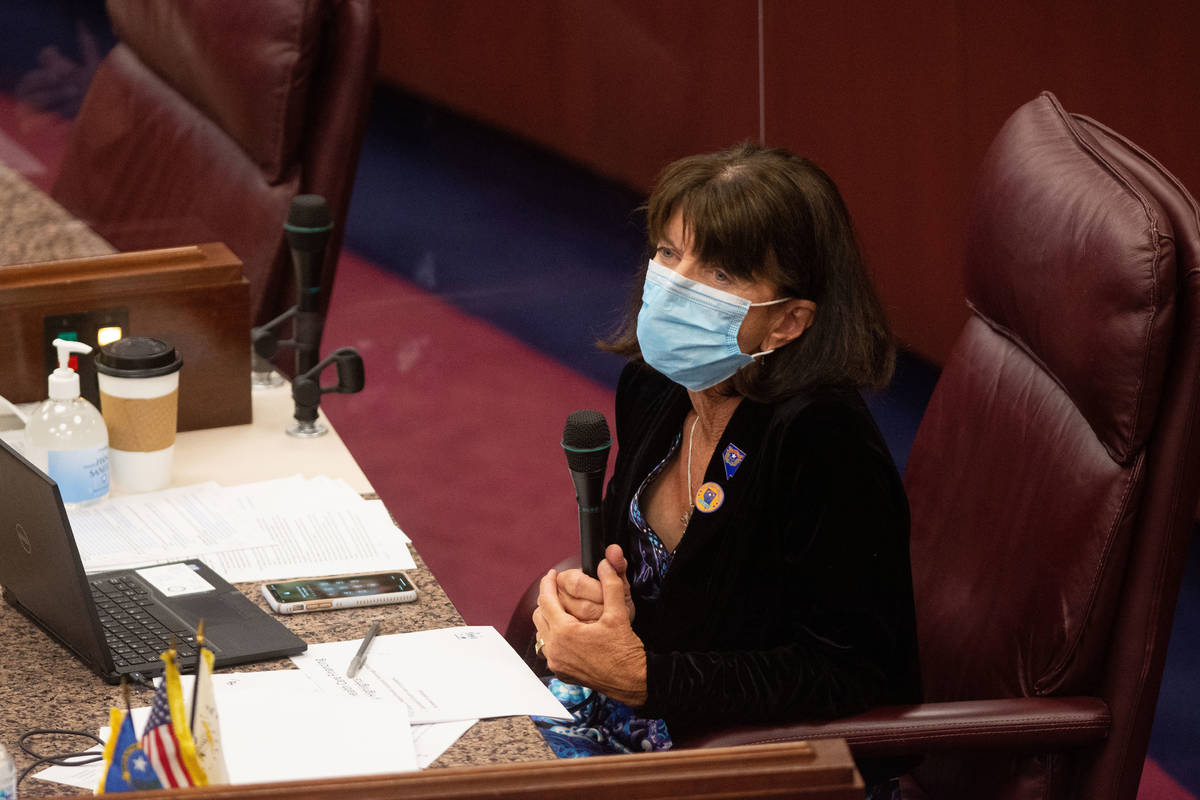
(688, 331)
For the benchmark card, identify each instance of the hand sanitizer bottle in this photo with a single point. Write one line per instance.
(66, 436)
(8, 776)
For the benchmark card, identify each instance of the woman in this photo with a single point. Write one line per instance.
(757, 563)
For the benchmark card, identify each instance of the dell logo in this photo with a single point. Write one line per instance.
(23, 538)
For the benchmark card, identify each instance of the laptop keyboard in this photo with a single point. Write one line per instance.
(136, 629)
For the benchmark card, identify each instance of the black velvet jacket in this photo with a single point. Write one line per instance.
(792, 599)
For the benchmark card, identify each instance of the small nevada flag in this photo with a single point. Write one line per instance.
(126, 768)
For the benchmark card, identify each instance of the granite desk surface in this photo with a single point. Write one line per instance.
(35, 228)
(42, 685)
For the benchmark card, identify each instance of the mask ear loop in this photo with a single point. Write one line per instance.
(768, 303)
(772, 303)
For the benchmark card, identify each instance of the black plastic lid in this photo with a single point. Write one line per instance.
(137, 357)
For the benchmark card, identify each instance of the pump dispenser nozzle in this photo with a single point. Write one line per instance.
(66, 437)
(64, 381)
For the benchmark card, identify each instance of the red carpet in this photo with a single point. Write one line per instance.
(458, 429)
(31, 142)
(1158, 785)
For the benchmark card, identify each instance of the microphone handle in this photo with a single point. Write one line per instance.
(308, 254)
(589, 495)
(308, 339)
(307, 264)
(591, 539)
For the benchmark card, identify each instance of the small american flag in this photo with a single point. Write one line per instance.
(161, 745)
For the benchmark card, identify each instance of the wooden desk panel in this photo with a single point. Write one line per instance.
(815, 770)
(194, 297)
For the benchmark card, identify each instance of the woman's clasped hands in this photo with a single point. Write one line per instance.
(584, 625)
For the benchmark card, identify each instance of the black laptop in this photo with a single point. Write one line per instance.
(118, 622)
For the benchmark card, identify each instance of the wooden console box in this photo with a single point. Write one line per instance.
(194, 297)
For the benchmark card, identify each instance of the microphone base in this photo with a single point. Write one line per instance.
(266, 380)
(307, 430)
(263, 374)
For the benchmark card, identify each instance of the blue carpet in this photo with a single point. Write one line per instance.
(1176, 732)
(76, 29)
(535, 245)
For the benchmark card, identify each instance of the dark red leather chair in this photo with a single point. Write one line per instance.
(1053, 479)
(208, 117)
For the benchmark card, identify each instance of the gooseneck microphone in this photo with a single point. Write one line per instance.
(308, 225)
(307, 230)
(586, 442)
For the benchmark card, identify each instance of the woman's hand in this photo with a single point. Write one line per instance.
(582, 597)
(603, 653)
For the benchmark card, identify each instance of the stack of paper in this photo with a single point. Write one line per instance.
(278, 726)
(415, 696)
(272, 530)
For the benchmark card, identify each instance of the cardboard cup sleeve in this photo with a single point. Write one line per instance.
(140, 425)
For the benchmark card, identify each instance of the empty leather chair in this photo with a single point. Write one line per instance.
(208, 117)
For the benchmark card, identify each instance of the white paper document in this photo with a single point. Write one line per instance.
(428, 741)
(314, 527)
(83, 776)
(432, 739)
(272, 530)
(279, 726)
(163, 526)
(270, 735)
(440, 675)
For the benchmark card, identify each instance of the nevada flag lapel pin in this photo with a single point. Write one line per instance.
(732, 458)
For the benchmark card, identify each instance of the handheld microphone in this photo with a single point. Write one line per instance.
(308, 225)
(586, 442)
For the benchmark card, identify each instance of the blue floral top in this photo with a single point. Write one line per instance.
(601, 725)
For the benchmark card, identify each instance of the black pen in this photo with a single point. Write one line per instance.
(361, 656)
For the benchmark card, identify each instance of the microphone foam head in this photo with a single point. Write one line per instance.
(309, 211)
(586, 441)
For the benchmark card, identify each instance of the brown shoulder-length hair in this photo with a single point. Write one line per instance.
(766, 214)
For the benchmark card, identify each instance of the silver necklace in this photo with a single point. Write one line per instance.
(686, 516)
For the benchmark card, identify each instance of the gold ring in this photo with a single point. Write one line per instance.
(537, 646)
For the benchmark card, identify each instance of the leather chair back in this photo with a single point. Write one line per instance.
(1053, 479)
(208, 117)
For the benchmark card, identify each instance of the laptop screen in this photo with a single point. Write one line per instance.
(40, 568)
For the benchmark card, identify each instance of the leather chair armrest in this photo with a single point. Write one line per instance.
(1023, 724)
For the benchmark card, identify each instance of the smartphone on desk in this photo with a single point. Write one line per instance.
(339, 591)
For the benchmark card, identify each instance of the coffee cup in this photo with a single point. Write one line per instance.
(139, 399)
